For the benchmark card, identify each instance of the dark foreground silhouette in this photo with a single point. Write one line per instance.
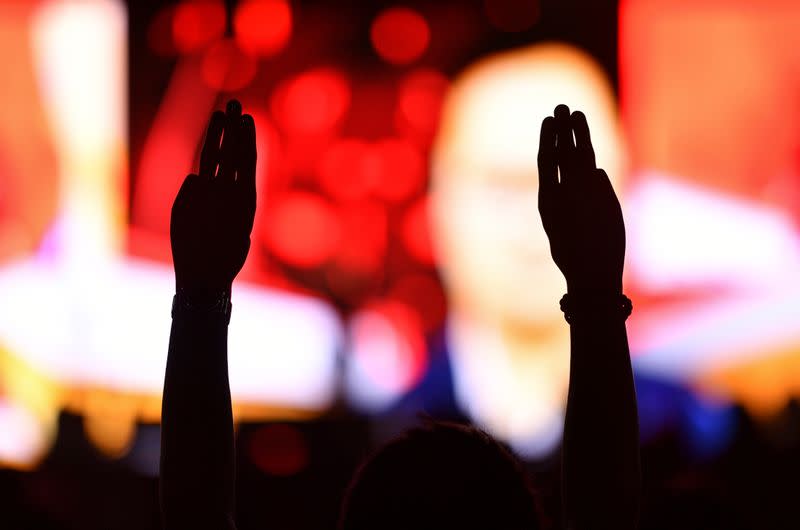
(436, 476)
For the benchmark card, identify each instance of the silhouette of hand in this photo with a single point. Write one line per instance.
(212, 216)
(580, 211)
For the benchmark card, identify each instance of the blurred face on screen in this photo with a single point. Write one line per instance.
(493, 251)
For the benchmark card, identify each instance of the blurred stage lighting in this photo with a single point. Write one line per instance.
(92, 324)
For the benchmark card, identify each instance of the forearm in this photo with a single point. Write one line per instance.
(210, 224)
(197, 444)
(601, 470)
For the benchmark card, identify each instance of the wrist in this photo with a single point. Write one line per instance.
(594, 292)
(595, 289)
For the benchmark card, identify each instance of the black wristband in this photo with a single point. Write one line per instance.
(576, 308)
(182, 304)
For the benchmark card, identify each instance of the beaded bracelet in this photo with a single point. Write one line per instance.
(221, 306)
(580, 307)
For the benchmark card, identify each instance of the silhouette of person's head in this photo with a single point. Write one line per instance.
(441, 476)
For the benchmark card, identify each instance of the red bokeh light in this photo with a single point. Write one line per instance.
(195, 25)
(392, 168)
(364, 238)
(278, 449)
(268, 146)
(512, 15)
(416, 233)
(425, 293)
(340, 169)
(420, 100)
(400, 35)
(313, 102)
(302, 229)
(400, 170)
(226, 67)
(268, 173)
(263, 27)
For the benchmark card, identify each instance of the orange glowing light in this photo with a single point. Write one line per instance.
(227, 67)
(400, 35)
(698, 90)
(303, 229)
(263, 27)
(314, 101)
(28, 160)
(764, 385)
(198, 24)
(512, 15)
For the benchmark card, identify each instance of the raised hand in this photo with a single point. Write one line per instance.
(212, 216)
(580, 211)
(583, 220)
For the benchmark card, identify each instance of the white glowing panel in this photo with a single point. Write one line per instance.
(282, 347)
(684, 236)
(740, 258)
(689, 340)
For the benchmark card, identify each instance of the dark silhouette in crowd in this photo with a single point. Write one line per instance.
(438, 475)
(441, 475)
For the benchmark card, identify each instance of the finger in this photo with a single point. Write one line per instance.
(185, 191)
(605, 181)
(548, 171)
(583, 142)
(209, 156)
(189, 182)
(565, 144)
(246, 172)
(228, 157)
